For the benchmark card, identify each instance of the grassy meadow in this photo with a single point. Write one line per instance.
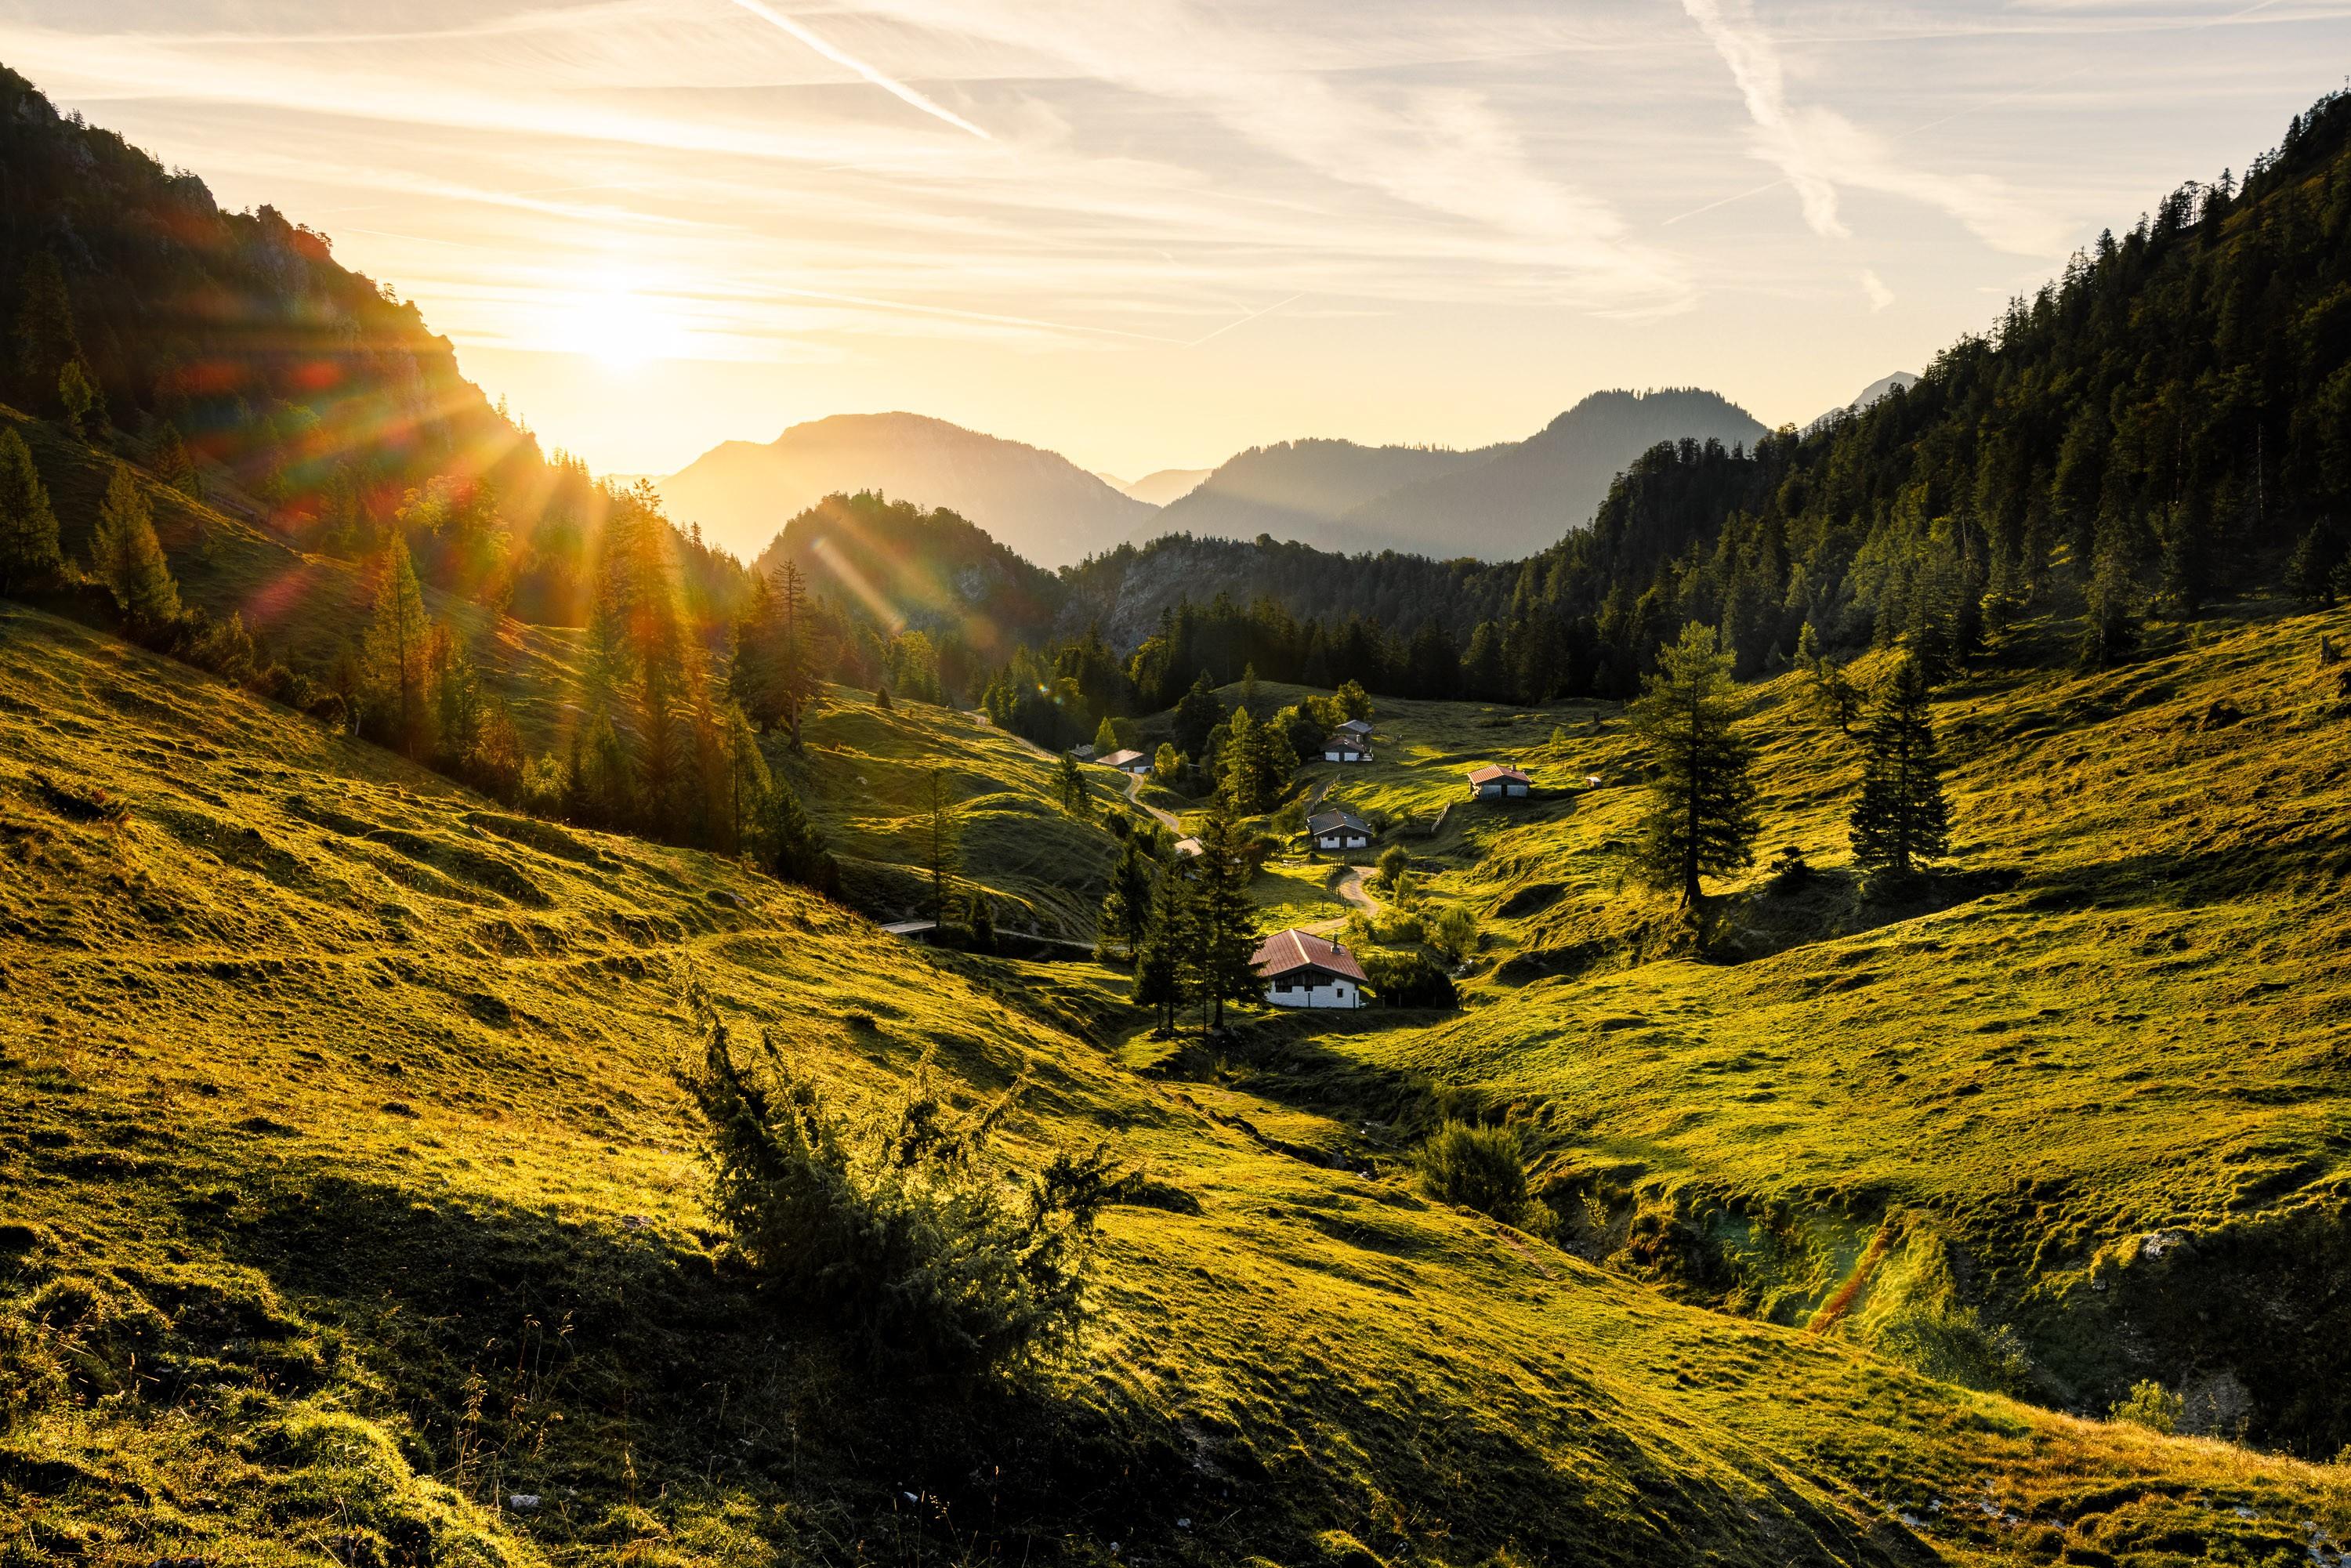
(350, 1198)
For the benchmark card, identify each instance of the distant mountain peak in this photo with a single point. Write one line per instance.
(1036, 502)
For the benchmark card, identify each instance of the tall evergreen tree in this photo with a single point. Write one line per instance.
(28, 529)
(129, 557)
(45, 340)
(1071, 787)
(1702, 816)
(1220, 936)
(939, 842)
(1900, 818)
(796, 852)
(1126, 908)
(1159, 966)
(748, 782)
(395, 657)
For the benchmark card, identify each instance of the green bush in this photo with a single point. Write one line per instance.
(1476, 1168)
(888, 1227)
(1409, 980)
(2151, 1406)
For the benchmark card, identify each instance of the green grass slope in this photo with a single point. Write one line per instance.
(2096, 1086)
(348, 1196)
(859, 774)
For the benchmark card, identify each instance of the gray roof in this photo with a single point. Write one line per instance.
(1360, 725)
(1328, 821)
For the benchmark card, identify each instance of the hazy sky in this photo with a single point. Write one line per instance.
(1148, 233)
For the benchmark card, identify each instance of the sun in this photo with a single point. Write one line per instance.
(617, 322)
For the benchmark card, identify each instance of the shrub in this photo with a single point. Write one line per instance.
(1477, 1167)
(1454, 932)
(1409, 980)
(889, 1227)
(1393, 863)
(2151, 1406)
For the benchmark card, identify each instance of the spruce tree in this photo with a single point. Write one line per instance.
(796, 848)
(1106, 737)
(45, 341)
(1126, 908)
(1069, 786)
(748, 782)
(28, 529)
(1221, 937)
(2110, 623)
(1159, 966)
(939, 829)
(129, 557)
(1901, 819)
(395, 656)
(1701, 820)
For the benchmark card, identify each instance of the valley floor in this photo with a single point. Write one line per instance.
(350, 1200)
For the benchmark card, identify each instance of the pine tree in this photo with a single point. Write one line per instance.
(1159, 964)
(939, 829)
(1069, 786)
(1900, 819)
(1126, 908)
(795, 683)
(28, 529)
(2309, 575)
(169, 459)
(395, 656)
(1106, 737)
(2110, 624)
(796, 848)
(45, 341)
(129, 557)
(81, 399)
(748, 782)
(1220, 936)
(1702, 817)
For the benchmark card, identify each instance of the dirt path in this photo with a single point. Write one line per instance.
(1133, 780)
(1351, 887)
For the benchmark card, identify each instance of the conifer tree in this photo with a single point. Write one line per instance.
(395, 656)
(1159, 966)
(1069, 786)
(28, 529)
(796, 848)
(83, 403)
(129, 557)
(1701, 820)
(1220, 936)
(2110, 625)
(748, 782)
(1126, 908)
(169, 459)
(45, 340)
(939, 832)
(1900, 818)
(1106, 737)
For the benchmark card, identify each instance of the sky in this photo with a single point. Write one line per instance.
(1148, 234)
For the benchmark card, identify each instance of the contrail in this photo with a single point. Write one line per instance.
(1246, 320)
(2190, 26)
(895, 89)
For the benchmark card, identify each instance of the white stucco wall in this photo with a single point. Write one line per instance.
(1331, 993)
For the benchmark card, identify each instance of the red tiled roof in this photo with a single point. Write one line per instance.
(1286, 950)
(1488, 774)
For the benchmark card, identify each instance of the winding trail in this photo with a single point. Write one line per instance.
(1133, 780)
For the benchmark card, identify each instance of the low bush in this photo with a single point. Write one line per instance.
(1409, 980)
(1477, 1167)
(2151, 1406)
(890, 1227)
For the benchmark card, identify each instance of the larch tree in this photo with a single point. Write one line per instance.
(28, 529)
(396, 655)
(1701, 819)
(1901, 818)
(129, 557)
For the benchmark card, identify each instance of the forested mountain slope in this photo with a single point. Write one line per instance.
(1528, 495)
(1037, 503)
(354, 1217)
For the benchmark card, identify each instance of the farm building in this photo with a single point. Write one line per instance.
(1362, 726)
(1127, 762)
(1495, 783)
(1338, 831)
(1345, 747)
(1304, 970)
